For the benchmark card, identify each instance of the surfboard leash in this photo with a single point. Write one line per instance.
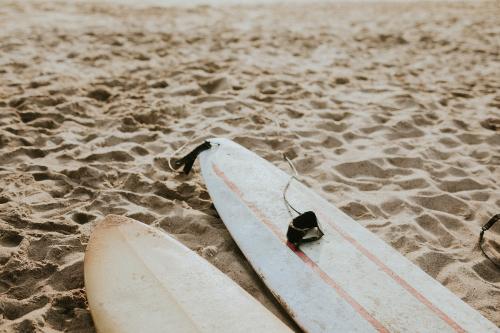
(302, 224)
(287, 203)
(188, 160)
(299, 227)
(494, 219)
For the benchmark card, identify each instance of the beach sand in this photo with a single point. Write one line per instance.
(390, 111)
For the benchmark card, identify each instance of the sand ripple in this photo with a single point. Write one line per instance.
(391, 112)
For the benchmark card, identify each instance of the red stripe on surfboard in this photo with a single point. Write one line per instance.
(395, 276)
(358, 307)
(325, 277)
(398, 279)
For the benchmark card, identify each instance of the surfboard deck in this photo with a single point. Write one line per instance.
(139, 279)
(350, 280)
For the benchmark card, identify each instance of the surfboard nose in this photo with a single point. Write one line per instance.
(221, 141)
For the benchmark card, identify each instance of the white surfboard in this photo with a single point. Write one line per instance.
(139, 279)
(350, 280)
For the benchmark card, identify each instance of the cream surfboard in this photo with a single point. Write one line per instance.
(139, 279)
(348, 281)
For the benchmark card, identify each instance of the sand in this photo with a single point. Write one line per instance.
(390, 111)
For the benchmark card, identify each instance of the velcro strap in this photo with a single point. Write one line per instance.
(494, 219)
(301, 226)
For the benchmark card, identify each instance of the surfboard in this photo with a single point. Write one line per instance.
(348, 281)
(139, 279)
